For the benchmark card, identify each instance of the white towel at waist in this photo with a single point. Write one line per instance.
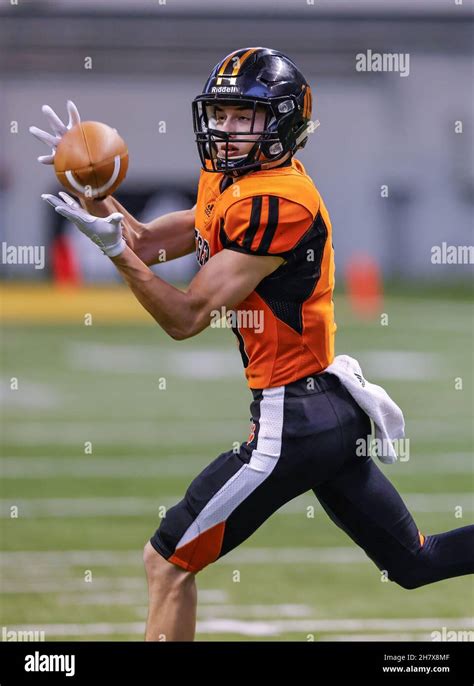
(375, 401)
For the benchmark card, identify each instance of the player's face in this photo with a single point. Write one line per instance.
(237, 119)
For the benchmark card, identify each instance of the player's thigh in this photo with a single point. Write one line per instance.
(224, 505)
(365, 504)
(299, 439)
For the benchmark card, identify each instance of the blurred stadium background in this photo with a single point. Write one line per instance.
(93, 445)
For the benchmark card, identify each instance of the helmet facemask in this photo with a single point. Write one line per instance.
(216, 147)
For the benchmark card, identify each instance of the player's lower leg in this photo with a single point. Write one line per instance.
(367, 506)
(442, 556)
(172, 598)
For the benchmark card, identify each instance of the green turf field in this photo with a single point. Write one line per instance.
(73, 566)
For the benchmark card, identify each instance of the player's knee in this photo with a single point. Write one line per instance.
(156, 564)
(409, 576)
(159, 570)
(406, 581)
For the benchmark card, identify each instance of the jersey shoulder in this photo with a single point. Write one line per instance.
(269, 213)
(265, 225)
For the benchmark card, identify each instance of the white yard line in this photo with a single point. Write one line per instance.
(260, 612)
(349, 624)
(449, 463)
(91, 466)
(375, 637)
(401, 365)
(183, 465)
(171, 433)
(442, 431)
(98, 583)
(85, 597)
(416, 502)
(30, 396)
(86, 507)
(31, 565)
(200, 363)
(26, 560)
(116, 506)
(161, 432)
(264, 628)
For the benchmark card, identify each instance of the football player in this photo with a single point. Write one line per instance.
(262, 237)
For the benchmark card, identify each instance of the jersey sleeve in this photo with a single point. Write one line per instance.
(265, 225)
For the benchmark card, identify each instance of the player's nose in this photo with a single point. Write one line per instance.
(229, 125)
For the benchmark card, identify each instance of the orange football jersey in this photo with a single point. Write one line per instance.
(285, 327)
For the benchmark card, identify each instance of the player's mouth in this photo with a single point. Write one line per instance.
(232, 151)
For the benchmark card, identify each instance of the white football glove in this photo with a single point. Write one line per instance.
(58, 128)
(106, 232)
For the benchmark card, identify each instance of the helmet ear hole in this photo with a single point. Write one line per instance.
(276, 148)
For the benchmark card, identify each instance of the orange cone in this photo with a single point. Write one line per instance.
(65, 269)
(364, 286)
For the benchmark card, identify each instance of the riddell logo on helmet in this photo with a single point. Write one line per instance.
(224, 89)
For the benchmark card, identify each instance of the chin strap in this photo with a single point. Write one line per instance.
(275, 163)
(269, 164)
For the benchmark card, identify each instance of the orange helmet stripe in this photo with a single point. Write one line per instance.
(241, 61)
(241, 58)
(226, 62)
(307, 103)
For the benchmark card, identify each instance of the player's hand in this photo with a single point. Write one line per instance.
(106, 232)
(58, 128)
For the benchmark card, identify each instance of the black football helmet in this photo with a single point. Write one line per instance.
(253, 77)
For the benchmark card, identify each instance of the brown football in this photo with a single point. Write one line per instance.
(91, 160)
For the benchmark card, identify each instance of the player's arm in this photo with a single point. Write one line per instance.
(255, 245)
(163, 239)
(224, 281)
(168, 237)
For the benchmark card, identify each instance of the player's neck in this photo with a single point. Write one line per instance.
(234, 176)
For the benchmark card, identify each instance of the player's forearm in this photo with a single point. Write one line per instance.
(171, 308)
(168, 237)
(161, 240)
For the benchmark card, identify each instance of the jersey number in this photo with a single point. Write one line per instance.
(203, 252)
